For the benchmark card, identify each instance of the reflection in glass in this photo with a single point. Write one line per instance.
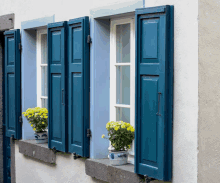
(43, 80)
(44, 49)
(123, 43)
(123, 114)
(123, 85)
(44, 103)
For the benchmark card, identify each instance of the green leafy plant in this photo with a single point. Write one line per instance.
(120, 134)
(37, 117)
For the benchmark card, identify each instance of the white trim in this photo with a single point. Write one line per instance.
(122, 105)
(122, 64)
(40, 32)
(44, 65)
(113, 66)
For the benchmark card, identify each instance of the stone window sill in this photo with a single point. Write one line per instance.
(102, 170)
(38, 151)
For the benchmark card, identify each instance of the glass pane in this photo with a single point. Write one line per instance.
(44, 103)
(44, 80)
(44, 48)
(123, 43)
(123, 85)
(123, 114)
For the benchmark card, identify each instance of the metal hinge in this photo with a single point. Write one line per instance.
(148, 179)
(20, 46)
(20, 119)
(2, 128)
(89, 134)
(89, 39)
(75, 156)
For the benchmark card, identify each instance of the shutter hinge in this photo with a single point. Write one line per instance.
(54, 150)
(13, 138)
(89, 134)
(2, 128)
(20, 46)
(89, 39)
(75, 156)
(148, 179)
(20, 119)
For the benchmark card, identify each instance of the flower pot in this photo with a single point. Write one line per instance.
(118, 157)
(41, 137)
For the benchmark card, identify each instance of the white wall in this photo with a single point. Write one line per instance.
(185, 141)
(185, 86)
(67, 170)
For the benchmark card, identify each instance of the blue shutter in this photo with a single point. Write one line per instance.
(57, 33)
(154, 92)
(78, 86)
(12, 77)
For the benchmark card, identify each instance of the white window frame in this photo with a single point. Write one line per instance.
(40, 32)
(113, 65)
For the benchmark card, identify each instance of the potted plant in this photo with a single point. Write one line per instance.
(37, 118)
(121, 135)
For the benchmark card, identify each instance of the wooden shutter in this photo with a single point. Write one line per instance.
(78, 86)
(154, 92)
(12, 77)
(57, 33)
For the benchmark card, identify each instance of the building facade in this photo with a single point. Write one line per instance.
(192, 143)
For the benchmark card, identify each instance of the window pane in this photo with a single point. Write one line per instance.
(123, 43)
(44, 103)
(44, 48)
(123, 85)
(123, 114)
(43, 80)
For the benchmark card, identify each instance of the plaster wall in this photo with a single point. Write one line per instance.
(185, 87)
(67, 170)
(63, 10)
(209, 87)
(185, 111)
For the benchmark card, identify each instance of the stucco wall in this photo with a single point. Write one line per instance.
(67, 170)
(185, 87)
(209, 87)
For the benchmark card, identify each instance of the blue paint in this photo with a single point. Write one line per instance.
(12, 80)
(29, 79)
(39, 22)
(115, 9)
(7, 159)
(78, 85)
(153, 96)
(28, 70)
(99, 86)
(57, 100)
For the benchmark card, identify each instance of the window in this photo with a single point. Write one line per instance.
(122, 71)
(42, 88)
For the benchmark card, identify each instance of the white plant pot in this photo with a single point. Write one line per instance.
(41, 137)
(118, 157)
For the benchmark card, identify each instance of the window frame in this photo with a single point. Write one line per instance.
(40, 32)
(113, 64)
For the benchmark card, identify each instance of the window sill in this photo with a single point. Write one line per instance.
(38, 151)
(102, 170)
